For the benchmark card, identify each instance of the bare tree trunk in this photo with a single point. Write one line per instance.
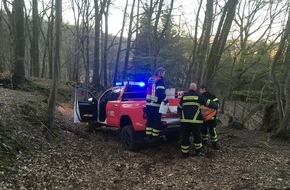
(128, 48)
(50, 41)
(137, 23)
(98, 17)
(11, 26)
(284, 125)
(35, 37)
(204, 41)
(105, 55)
(77, 43)
(220, 41)
(190, 72)
(19, 71)
(273, 69)
(120, 44)
(157, 37)
(56, 65)
(1, 42)
(86, 47)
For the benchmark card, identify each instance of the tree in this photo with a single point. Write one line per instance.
(244, 57)
(156, 35)
(34, 50)
(19, 69)
(283, 129)
(1, 42)
(154, 23)
(120, 44)
(56, 65)
(99, 11)
(200, 45)
(219, 41)
(105, 54)
(50, 38)
(129, 40)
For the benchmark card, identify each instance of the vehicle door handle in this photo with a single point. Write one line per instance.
(115, 105)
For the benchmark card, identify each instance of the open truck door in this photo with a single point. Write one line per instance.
(85, 105)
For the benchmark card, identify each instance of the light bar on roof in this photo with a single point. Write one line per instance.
(141, 84)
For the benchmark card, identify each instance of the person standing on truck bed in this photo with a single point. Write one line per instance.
(210, 125)
(154, 96)
(191, 119)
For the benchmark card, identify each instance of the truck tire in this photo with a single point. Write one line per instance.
(128, 137)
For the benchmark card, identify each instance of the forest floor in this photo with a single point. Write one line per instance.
(74, 158)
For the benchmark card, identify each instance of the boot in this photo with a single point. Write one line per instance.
(215, 146)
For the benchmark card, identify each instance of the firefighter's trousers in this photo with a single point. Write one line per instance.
(186, 130)
(153, 125)
(209, 127)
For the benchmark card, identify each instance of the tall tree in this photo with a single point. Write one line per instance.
(50, 37)
(99, 11)
(120, 43)
(283, 129)
(105, 54)
(56, 65)
(157, 34)
(19, 69)
(34, 50)
(200, 44)
(129, 40)
(219, 41)
(1, 42)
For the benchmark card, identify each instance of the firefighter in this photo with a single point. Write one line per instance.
(155, 95)
(210, 125)
(191, 119)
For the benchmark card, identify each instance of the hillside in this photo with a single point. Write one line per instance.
(70, 157)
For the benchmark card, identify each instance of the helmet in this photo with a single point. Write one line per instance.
(159, 71)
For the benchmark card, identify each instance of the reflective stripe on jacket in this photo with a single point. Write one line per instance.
(189, 107)
(212, 97)
(155, 91)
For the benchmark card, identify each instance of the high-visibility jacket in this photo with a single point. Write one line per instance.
(212, 97)
(189, 107)
(155, 91)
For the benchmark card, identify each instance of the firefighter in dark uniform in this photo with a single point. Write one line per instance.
(155, 95)
(191, 119)
(210, 125)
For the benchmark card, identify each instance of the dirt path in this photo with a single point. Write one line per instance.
(83, 160)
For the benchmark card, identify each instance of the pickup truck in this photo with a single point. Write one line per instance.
(122, 107)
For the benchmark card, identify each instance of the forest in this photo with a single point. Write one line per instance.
(239, 49)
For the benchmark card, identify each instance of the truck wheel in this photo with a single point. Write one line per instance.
(128, 138)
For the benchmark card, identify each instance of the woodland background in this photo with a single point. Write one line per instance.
(239, 49)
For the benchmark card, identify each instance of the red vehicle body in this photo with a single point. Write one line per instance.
(122, 107)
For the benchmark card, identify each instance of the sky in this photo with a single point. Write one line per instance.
(186, 8)
(117, 11)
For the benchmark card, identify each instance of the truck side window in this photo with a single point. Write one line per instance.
(115, 94)
(106, 96)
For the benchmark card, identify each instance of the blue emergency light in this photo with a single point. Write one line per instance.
(141, 84)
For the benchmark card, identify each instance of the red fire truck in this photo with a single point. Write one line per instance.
(121, 107)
